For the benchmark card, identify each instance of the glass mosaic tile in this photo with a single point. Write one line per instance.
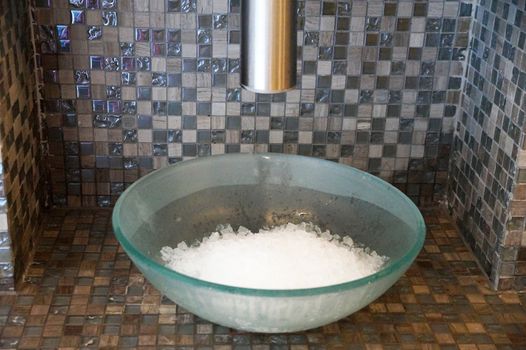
(109, 18)
(94, 33)
(78, 17)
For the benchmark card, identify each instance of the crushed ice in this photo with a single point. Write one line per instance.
(283, 257)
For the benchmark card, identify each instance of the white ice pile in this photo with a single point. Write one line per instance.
(284, 257)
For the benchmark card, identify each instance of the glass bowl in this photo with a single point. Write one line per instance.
(184, 202)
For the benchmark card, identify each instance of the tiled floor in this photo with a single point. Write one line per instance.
(83, 292)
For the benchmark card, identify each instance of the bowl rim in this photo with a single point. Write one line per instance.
(398, 264)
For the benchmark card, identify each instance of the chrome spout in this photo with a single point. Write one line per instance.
(268, 45)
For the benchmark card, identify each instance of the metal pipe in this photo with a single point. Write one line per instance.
(268, 45)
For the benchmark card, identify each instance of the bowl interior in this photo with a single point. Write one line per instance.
(187, 201)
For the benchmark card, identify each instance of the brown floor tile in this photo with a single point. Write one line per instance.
(83, 291)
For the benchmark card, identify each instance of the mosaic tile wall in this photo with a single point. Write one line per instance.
(6, 258)
(488, 170)
(21, 185)
(131, 86)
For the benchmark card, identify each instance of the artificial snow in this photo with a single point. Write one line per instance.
(283, 257)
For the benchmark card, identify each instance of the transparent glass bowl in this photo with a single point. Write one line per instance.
(183, 202)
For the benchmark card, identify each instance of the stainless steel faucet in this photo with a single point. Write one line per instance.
(268, 45)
